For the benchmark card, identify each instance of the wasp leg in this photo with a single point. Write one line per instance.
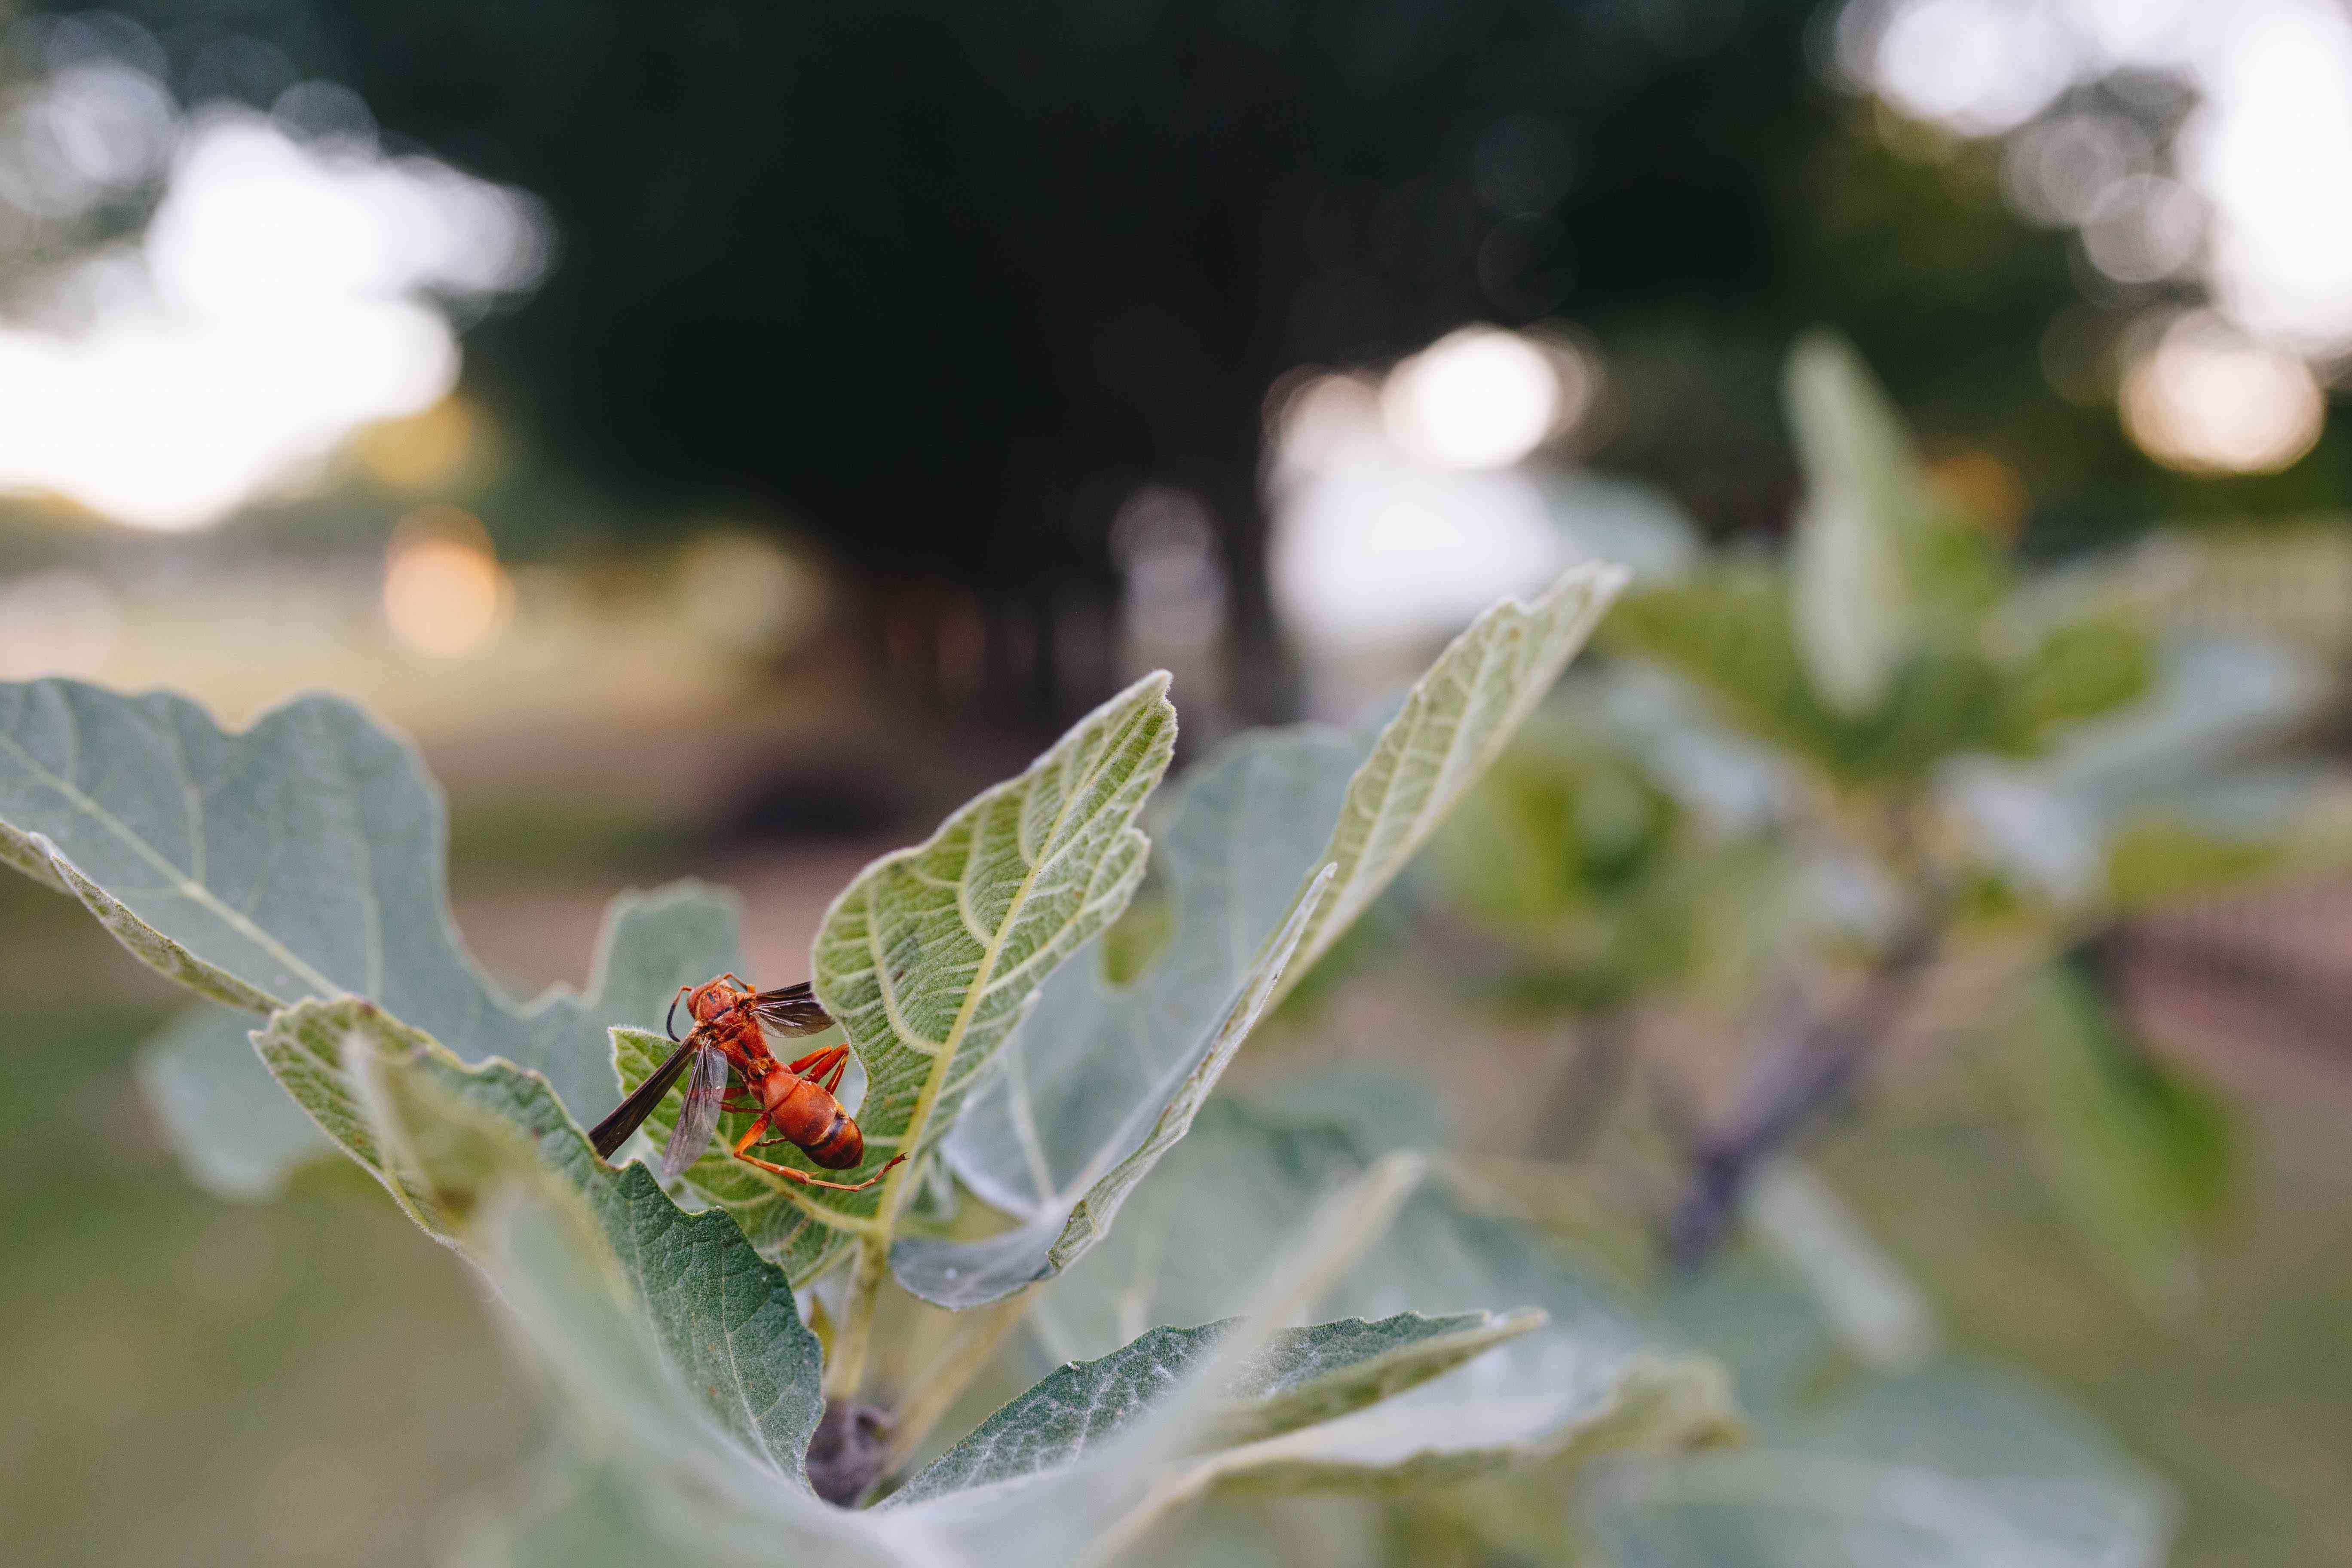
(832, 1079)
(817, 1063)
(742, 1152)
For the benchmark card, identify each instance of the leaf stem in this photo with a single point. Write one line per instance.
(1824, 1060)
(846, 1370)
(980, 1333)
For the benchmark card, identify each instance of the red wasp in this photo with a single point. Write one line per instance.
(795, 1099)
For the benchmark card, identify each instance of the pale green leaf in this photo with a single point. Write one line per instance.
(1454, 723)
(233, 1128)
(1103, 1078)
(2137, 1156)
(1303, 1376)
(1929, 1467)
(1859, 1292)
(724, 1317)
(1069, 1221)
(236, 1131)
(678, 1483)
(931, 955)
(1940, 1467)
(1856, 616)
(304, 859)
(1108, 1494)
(1881, 567)
(2179, 756)
(1596, 1371)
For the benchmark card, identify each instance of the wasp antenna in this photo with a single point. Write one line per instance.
(669, 1022)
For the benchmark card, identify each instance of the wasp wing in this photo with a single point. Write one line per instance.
(794, 1010)
(615, 1129)
(705, 1088)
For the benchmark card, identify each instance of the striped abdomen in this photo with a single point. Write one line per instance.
(813, 1120)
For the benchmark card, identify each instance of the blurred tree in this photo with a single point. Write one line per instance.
(947, 282)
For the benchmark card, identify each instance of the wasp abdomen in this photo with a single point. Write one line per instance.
(814, 1122)
(840, 1146)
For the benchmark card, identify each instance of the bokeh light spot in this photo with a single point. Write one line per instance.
(445, 594)
(1476, 398)
(2206, 398)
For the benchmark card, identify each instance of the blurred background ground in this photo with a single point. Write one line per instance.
(726, 437)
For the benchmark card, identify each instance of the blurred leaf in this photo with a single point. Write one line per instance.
(1569, 854)
(1873, 1307)
(1303, 1376)
(2179, 755)
(233, 1128)
(2138, 1156)
(1726, 633)
(1879, 565)
(576, 1513)
(303, 858)
(1102, 1079)
(2153, 860)
(1878, 1481)
(724, 1317)
(1940, 1466)
(2080, 669)
(1594, 1373)
(1857, 619)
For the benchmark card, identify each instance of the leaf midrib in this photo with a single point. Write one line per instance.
(910, 1137)
(179, 880)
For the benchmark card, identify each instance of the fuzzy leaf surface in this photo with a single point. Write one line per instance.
(1595, 1373)
(304, 859)
(1303, 1376)
(932, 954)
(1103, 1078)
(237, 1134)
(723, 1316)
(673, 1485)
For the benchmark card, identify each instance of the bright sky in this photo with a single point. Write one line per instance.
(2268, 150)
(289, 288)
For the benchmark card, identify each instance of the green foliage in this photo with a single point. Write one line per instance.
(2079, 670)
(1302, 1377)
(295, 871)
(2152, 859)
(1103, 1078)
(1572, 854)
(1181, 1254)
(303, 858)
(442, 1136)
(2138, 1155)
(1935, 1464)
(1878, 651)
